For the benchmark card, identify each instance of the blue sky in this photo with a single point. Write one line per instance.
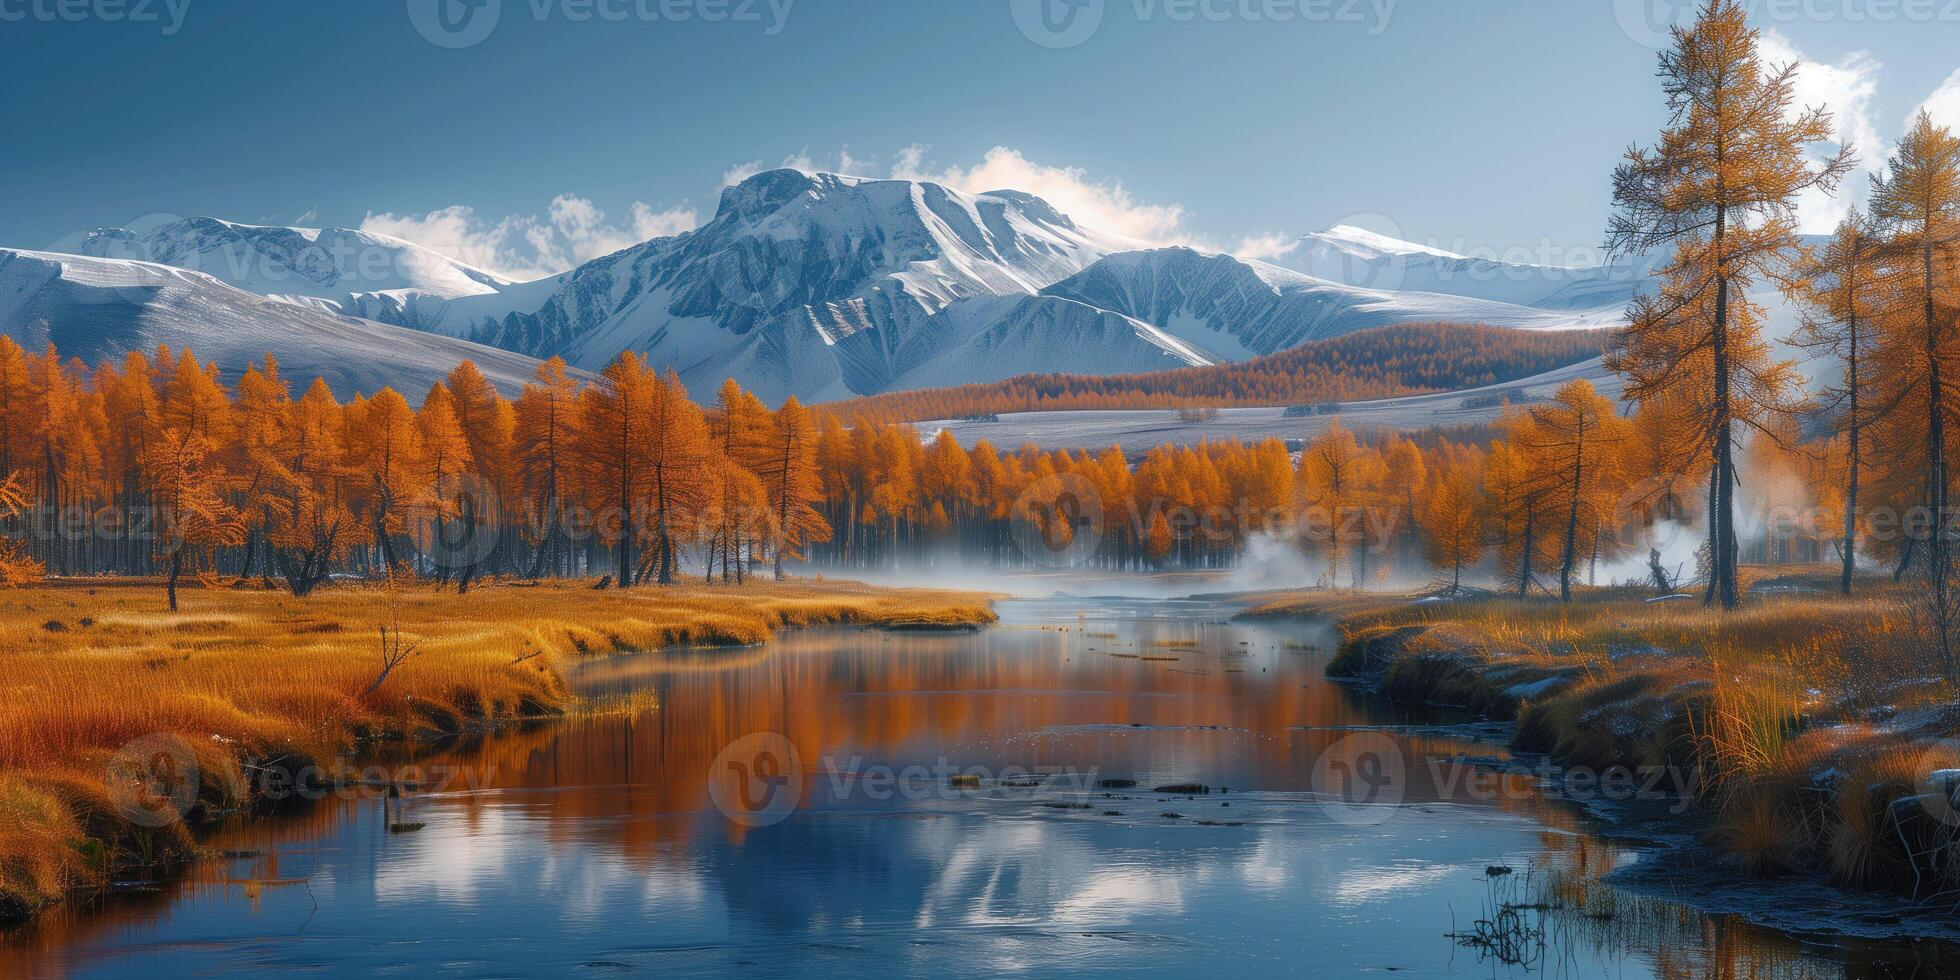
(574, 126)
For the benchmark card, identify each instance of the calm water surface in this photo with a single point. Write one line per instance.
(593, 846)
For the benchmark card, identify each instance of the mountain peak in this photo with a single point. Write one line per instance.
(1362, 243)
(768, 191)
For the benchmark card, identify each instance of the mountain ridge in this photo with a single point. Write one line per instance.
(828, 286)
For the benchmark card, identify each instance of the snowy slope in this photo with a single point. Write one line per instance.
(1240, 308)
(335, 269)
(1357, 257)
(95, 308)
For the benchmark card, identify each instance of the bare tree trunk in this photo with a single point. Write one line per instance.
(1569, 551)
(1530, 543)
(1851, 487)
(1722, 523)
(1936, 476)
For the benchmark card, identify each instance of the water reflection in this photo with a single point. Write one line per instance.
(592, 845)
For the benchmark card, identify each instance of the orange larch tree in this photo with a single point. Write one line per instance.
(1719, 190)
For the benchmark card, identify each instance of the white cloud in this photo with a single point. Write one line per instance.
(1849, 89)
(1103, 205)
(648, 223)
(1271, 245)
(740, 172)
(852, 166)
(799, 160)
(524, 247)
(1943, 105)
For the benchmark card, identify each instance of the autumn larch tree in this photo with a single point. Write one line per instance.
(263, 423)
(1719, 189)
(1917, 204)
(1338, 479)
(1452, 515)
(1842, 290)
(446, 456)
(314, 525)
(16, 566)
(1573, 448)
(543, 434)
(386, 447)
(1517, 511)
(678, 456)
(790, 478)
(739, 429)
(1404, 474)
(188, 485)
(613, 444)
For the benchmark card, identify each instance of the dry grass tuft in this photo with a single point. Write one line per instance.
(1809, 721)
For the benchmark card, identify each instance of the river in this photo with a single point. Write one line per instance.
(943, 804)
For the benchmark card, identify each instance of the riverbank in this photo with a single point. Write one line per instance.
(101, 684)
(1815, 728)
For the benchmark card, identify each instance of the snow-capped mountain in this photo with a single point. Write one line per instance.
(335, 269)
(826, 286)
(1232, 308)
(810, 284)
(96, 308)
(1357, 257)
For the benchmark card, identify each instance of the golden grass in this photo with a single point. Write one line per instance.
(88, 667)
(1768, 708)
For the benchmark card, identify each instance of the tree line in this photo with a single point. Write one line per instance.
(153, 466)
(1380, 362)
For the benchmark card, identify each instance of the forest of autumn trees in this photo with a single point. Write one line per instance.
(1381, 362)
(154, 467)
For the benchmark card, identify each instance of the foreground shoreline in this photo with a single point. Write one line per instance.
(1819, 747)
(125, 728)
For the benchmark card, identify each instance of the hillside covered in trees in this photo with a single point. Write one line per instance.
(1383, 362)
